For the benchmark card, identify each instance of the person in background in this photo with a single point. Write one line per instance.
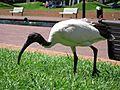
(46, 4)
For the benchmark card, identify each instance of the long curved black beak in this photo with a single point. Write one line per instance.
(23, 49)
(33, 37)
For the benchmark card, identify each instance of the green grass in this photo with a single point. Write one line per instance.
(42, 72)
(5, 6)
(90, 6)
(31, 5)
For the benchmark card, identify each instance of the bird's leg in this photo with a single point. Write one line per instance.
(95, 71)
(75, 59)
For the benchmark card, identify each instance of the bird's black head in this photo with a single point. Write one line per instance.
(104, 31)
(34, 37)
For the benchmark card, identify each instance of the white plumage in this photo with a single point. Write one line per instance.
(72, 33)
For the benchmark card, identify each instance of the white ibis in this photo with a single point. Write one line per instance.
(72, 33)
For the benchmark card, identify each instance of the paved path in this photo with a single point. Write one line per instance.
(17, 34)
(36, 18)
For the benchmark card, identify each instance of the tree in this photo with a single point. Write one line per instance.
(27, 0)
(103, 1)
(72, 2)
(116, 1)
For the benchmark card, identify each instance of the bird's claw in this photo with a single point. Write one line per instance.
(95, 72)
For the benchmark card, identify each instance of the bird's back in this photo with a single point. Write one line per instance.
(74, 32)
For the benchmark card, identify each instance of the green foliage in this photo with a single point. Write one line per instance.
(90, 6)
(42, 72)
(116, 1)
(5, 6)
(30, 5)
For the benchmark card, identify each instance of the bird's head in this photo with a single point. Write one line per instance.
(104, 31)
(34, 37)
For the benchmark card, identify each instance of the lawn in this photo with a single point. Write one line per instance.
(43, 72)
(90, 6)
(5, 6)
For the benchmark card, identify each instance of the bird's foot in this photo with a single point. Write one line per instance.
(95, 72)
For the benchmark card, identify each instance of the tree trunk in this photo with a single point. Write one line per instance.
(103, 1)
(73, 1)
(27, 0)
(70, 2)
(78, 1)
